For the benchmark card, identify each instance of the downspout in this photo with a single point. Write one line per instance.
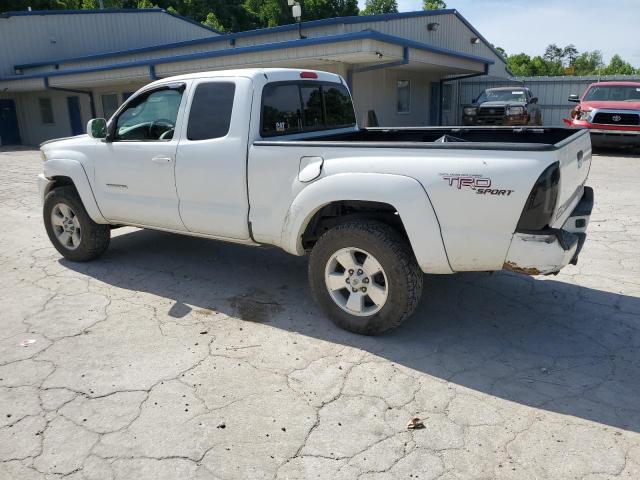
(397, 63)
(71, 90)
(453, 79)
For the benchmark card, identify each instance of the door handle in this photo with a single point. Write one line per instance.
(161, 159)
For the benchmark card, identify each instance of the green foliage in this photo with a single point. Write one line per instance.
(567, 61)
(588, 63)
(434, 4)
(617, 66)
(212, 22)
(374, 7)
(223, 15)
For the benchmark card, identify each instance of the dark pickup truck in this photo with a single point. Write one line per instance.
(502, 106)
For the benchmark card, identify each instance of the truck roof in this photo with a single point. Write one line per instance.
(509, 88)
(616, 84)
(270, 74)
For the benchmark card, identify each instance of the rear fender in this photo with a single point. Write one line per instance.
(405, 194)
(75, 171)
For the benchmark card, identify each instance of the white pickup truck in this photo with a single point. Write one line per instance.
(275, 157)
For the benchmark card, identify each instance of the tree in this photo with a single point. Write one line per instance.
(617, 66)
(569, 54)
(588, 63)
(553, 53)
(519, 64)
(434, 4)
(212, 22)
(374, 7)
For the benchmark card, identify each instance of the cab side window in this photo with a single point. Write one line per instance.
(211, 108)
(150, 116)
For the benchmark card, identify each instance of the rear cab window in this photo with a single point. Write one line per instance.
(297, 107)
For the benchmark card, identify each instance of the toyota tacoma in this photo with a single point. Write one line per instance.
(499, 106)
(275, 157)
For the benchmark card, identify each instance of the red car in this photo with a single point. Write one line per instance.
(611, 111)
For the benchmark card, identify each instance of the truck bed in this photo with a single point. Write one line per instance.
(472, 138)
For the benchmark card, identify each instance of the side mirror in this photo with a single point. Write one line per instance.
(474, 100)
(533, 100)
(574, 98)
(97, 128)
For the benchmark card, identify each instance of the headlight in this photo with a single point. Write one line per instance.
(584, 114)
(43, 156)
(515, 111)
(470, 111)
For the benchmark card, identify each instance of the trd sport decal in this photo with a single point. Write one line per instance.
(481, 185)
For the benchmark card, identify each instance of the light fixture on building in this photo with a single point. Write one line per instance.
(296, 11)
(433, 27)
(475, 40)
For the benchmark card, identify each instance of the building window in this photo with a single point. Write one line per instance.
(109, 104)
(404, 96)
(46, 110)
(211, 109)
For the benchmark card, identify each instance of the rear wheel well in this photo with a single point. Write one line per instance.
(339, 212)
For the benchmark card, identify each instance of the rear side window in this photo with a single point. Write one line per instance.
(211, 108)
(280, 110)
(302, 107)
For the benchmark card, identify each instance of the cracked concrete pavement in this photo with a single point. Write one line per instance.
(175, 358)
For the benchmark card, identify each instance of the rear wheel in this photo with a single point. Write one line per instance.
(70, 229)
(365, 277)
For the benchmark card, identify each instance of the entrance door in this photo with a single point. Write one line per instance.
(434, 103)
(73, 104)
(9, 131)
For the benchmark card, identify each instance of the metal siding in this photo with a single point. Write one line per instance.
(32, 130)
(552, 92)
(28, 38)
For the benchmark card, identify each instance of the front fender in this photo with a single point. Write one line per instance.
(405, 194)
(75, 171)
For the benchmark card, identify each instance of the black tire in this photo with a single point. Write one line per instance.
(94, 239)
(404, 277)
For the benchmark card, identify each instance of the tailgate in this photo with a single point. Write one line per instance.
(574, 156)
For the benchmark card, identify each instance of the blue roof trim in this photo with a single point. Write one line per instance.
(365, 34)
(263, 31)
(27, 13)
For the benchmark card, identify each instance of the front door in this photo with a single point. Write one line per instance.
(75, 120)
(9, 131)
(135, 179)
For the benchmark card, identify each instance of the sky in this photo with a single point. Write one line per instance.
(611, 26)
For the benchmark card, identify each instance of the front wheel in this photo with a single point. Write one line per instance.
(365, 277)
(70, 229)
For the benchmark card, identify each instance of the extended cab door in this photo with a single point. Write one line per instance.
(134, 169)
(211, 165)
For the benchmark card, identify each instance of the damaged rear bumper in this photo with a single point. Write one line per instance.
(547, 251)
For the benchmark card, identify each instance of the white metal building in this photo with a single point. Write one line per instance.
(63, 67)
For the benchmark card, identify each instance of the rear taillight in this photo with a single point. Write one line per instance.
(541, 203)
(308, 75)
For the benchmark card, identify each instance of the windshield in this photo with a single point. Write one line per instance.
(613, 93)
(511, 95)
